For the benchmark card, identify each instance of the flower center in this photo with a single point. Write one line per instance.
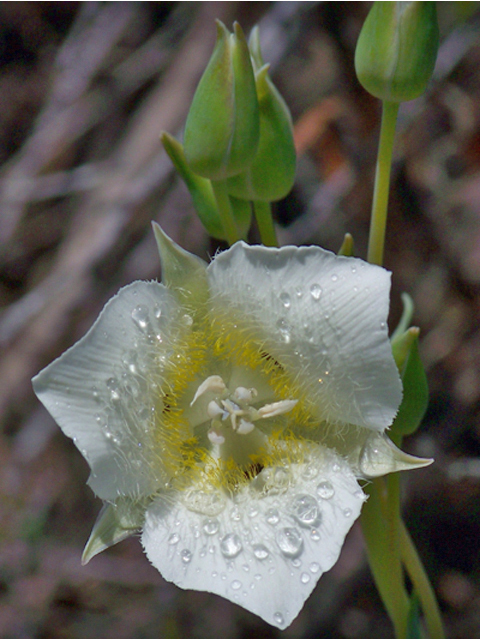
(234, 411)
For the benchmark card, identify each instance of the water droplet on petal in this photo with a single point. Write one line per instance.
(277, 616)
(298, 292)
(285, 299)
(174, 538)
(236, 585)
(260, 551)
(186, 556)
(316, 291)
(334, 277)
(315, 535)
(112, 384)
(231, 545)
(272, 516)
(290, 542)
(309, 473)
(305, 578)
(306, 511)
(347, 512)
(314, 567)
(157, 312)
(140, 316)
(210, 503)
(284, 330)
(211, 526)
(325, 490)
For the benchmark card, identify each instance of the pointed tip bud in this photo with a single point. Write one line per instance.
(397, 49)
(272, 173)
(222, 128)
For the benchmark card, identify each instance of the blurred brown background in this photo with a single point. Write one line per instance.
(85, 89)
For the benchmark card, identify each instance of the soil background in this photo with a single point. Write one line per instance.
(85, 89)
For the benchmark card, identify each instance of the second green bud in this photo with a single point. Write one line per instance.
(222, 128)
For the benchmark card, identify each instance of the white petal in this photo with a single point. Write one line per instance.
(266, 548)
(323, 317)
(105, 392)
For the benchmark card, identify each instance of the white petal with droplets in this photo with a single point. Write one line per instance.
(323, 317)
(266, 548)
(105, 392)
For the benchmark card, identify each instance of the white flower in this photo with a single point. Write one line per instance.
(229, 412)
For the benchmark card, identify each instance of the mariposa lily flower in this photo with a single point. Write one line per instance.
(229, 414)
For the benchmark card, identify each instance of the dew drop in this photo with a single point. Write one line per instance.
(309, 473)
(236, 585)
(210, 503)
(260, 552)
(334, 277)
(174, 538)
(306, 511)
(315, 535)
(277, 616)
(305, 578)
(211, 526)
(296, 563)
(284, 330)
(258, 576)
(231, 545)
(290, 542)
(114, 389)
(298, 292)
(157, 312)
(140, 316)
(354, 269)
(186, 556)
(272, 516)
(347, 512)
(285, 299)
(316, 291)
(325, 490)
(314, 567)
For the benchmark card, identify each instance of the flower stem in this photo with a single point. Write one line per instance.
(225, 211)
(380, 529)
(263, 215)
(421, 583)
(382, 183)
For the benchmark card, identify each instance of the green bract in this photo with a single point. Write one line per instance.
(222, 128)
(397, 49)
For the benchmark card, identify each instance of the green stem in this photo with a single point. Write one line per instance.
(380, 526)
(382, 183)
(263, 215)
(225, 211)
(421, 583)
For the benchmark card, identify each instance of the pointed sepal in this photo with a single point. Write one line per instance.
(115, 522)
(182, 272)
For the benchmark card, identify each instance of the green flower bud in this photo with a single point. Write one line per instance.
(202, 195)
(272, 172)
(397, 49)
(222, 128)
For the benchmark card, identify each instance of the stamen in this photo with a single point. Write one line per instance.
(214, 410)
(245, 427)
(242, 393)
(276, 408)
(215, 437)
(212, 383)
